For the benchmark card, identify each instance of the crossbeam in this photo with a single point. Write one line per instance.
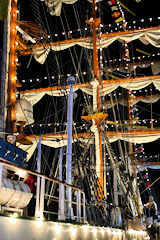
(59, 136)
(87, 84)
(38, 47)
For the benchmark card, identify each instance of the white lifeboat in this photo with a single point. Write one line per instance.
(14, 194)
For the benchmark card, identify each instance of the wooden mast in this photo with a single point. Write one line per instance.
(94, 22)
(12, 63)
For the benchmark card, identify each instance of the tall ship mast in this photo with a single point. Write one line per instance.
(116, 76)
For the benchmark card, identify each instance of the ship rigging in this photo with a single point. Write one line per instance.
(104, 161)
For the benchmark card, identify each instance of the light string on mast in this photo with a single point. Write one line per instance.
(106, 28)
(54, 77)
(84, 125)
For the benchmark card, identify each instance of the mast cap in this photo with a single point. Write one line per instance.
(71, 80)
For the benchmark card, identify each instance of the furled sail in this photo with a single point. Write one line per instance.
(155, 67)
(108, 86)
(149, 36)
(60, 140)
(145, 99)
(55, 6)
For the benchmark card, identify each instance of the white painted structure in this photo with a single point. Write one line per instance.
(22, 229)
(15, 227)
(15, 195)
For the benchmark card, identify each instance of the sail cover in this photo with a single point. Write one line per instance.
(57, 143)
(146, 36)
(145, 166)
(108, 87)
(145, 99)
(155, 67)
(143, 138)
(55, 6)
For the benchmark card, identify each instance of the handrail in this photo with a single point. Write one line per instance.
(40, 175)
(77, 204)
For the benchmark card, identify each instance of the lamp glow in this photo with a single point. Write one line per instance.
(94, 231)
(85, 228)
(73, 231)
(39, 223)
(57, 228)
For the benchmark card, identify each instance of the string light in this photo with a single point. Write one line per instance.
(53, 77)
(111, 27)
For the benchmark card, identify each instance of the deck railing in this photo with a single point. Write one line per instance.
(52, 206)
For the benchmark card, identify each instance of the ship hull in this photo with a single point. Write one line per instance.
(27, 229)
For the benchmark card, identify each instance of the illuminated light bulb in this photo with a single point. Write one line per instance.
(20, 173)
(57, 228)
(39, 223)
(102, 231)
(12, 96)
(73, 231)
(12, 220)
(94, 231)
(85, 228)
(15, 214)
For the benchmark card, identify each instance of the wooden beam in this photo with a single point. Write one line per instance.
(12, 63)
(90, 134)
(149, 163)
(39, 47)
(104, 82)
